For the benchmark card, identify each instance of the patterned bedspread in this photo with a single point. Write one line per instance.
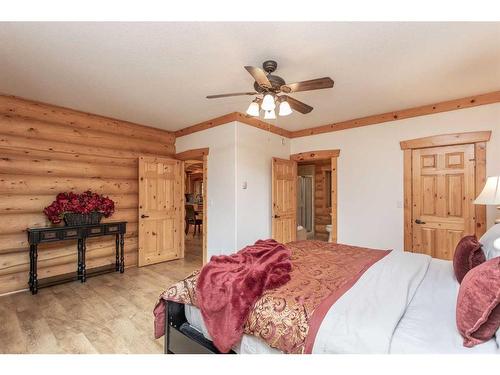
(288, 317)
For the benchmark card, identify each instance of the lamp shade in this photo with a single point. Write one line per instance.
(253, 109)
(285, 109)
(491, 192)
(270, 115)
(268, 103)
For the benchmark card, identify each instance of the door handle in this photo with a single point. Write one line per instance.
(418, 221)
(144, 216)
(276, 216)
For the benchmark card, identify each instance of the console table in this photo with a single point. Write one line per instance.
(79, 233)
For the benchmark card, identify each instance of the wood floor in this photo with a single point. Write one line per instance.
(110, 313)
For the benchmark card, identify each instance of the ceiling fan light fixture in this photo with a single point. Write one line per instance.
(268, 103)
(270, 115)
(253, 109)
(285, 109)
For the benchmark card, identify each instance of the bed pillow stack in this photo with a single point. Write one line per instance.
(468, 255)
(478, 304)
(487, 240)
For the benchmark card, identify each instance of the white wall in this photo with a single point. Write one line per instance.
(221, 175)
(370, 170)
(238, 153)
(254, 151)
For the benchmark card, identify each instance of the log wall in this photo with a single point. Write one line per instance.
(45, 150)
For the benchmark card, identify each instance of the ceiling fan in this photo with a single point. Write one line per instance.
(272, 90)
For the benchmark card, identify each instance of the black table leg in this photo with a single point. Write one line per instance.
(30, 281)
(122, 255)
(79, 267)
(117, 248)
(34, 288)
(84, 266)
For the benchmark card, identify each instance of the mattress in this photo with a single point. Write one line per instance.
(428, 325)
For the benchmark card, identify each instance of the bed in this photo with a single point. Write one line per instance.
(403, 303)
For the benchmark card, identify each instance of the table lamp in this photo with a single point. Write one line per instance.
(490, 195)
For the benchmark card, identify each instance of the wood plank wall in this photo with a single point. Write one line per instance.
(46, 149)
(321, 211)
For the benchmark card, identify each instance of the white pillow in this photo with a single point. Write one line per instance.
(487, 241)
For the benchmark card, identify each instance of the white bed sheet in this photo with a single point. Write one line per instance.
(428, 325)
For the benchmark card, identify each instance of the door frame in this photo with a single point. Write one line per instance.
(322, 155)
(478, 139)
(200, 154)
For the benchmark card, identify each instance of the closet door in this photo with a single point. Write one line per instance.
(443, 194)
(161, 210)
(284, 200)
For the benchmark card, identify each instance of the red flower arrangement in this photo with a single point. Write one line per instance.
(85, 203)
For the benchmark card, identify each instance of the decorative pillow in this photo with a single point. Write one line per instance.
(478, 304)
(468, 255)
(487, 240)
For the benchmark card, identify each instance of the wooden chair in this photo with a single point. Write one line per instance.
(191, 219)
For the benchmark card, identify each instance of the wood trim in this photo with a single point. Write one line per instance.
(205, 207)
(450, 105)
(230, 117)
(315, 155)
(446, 140)
(479, 140)
(480, 210)
(259, 124)
(334, 197)
(407, 187)
(194, 154)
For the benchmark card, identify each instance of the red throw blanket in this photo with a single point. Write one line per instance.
(287, 317)
(229, 285)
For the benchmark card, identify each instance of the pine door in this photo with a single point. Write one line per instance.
(284, 200)
(442, 202)
(161, 210)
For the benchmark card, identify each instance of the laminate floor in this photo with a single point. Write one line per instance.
(110, 313)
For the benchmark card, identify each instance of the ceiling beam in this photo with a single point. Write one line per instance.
(450, 105)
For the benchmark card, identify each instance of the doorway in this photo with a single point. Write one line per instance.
(314, 203)
(442, 177)
(304, 203)
(195, 207)
(305, 200)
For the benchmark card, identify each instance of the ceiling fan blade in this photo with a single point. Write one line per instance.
(259, 75)
(232, 94)
(298, 105)
(313, 84)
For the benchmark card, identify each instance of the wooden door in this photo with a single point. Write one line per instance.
(443, 194)
(284, 199)
(161, 210)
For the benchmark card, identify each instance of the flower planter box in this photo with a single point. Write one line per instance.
(72, 219)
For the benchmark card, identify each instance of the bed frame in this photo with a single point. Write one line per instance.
(180, 337)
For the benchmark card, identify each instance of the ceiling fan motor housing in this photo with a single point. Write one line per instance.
(269, 66)
(276, 83)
